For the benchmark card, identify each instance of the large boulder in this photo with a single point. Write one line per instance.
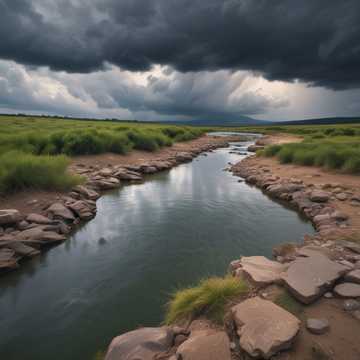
(310, 277)
(261, 270)
(40, 235)
(141, 344)
(205, 345)
(9, 216)
(263, 327)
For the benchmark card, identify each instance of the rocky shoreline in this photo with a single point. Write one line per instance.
(26, 235)
(322, 273)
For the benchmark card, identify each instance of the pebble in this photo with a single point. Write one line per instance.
(317, 326)
(328, 295)
(351, 305)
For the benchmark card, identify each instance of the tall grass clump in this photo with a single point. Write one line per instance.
(19, 171)
(208, 298)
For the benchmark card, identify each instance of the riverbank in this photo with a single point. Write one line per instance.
(32, 221)
(305, 301)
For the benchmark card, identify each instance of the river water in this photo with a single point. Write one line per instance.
(147, 239)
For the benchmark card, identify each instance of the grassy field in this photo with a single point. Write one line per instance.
(34, 151)
(335, 147)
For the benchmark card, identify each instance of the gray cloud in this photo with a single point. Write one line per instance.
(163, 93)
(314, 41)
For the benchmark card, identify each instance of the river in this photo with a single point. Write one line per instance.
(115, 273)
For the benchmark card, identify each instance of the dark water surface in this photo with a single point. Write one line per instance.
(174, 229)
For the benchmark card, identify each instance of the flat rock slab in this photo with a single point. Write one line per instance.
(263, 327)
(317, 326)
(347, 290)
(203, 345)
(141, 344)
(261, 270)
(310, 277)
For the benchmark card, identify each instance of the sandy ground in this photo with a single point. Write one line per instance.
(36, 201)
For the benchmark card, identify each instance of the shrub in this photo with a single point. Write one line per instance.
(208, 298)
(19, 171)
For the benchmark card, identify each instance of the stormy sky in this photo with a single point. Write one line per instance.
(181, 59)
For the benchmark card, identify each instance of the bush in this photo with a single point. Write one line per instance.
(19, 171)
(208, 298)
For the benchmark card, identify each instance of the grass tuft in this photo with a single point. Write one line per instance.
(19, 171)
(208, 298)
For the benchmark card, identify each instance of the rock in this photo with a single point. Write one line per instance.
(9, 216)
(261, 270)
(82, 209)
(339, 216)
(317, 326)
(353, 276)
(356, 314)
(328, 295)
(349, 245)
(347, 290)
(60, 211)
(86, 192)
(144, 344)
(205, 345)
(40, 235)
(263, 327)
(254, 148)
(319, 196)
(22, 225)
(39, 219)
(7, 259)
(107, 172)
(310, 277)
(179, 339)
(351, 305)
(23, 250)
(341, 196)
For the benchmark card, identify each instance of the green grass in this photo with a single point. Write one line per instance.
(29, 146)
(337, 154)
(19, 171)
(287, 302)
(208, 298)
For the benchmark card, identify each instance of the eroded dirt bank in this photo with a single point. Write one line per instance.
(33, 220)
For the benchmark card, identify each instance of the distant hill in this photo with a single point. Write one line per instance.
(321, 121)
(241, 121)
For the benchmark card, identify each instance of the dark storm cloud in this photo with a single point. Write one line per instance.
(316, 41)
